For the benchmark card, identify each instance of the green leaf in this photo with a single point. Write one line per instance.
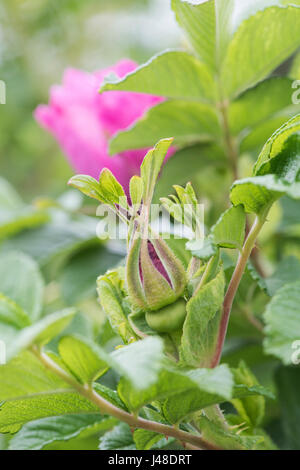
(252, 47)
(225, 439)
(14, 413)
(39, 394)
(229, 231)
(119, 438)
(189, 122)
(283, 323)
(207, 25)
(41, 332)
(21, 281)
(84, 359)
(15, 216)
(156, 77)
(288, 383)
(12, 314)
(88, 186)
(251, 408)
(52, 244)
(111, 189)
(37, 434)
(257, 105)
(109, 395)
(211, 386)
(275, 144)
(258, 192)
(201, 325)
(287, 271)
(111, 296)
(35, 378)
(136, 188)
(146, 440)
(140, 362)
(202, 249)
(151, 167)
(175, 382)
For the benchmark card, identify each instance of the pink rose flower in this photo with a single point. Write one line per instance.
(82, 121)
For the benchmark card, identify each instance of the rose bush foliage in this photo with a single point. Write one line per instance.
(115, 345)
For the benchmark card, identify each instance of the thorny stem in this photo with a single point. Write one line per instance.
(108, 408)
(235, 281)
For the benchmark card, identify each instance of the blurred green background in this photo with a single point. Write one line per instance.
(38, 40)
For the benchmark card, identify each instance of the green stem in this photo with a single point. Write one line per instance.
(106, 407)
(235, 281)
(230, 145)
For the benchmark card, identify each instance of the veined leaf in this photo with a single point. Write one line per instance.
(189, 122)
(252, 47)
(109, 288)
(35, 378)
(84, 359)
(173, 381)
(275, 144)
(39, 394)
(37, 434)
(119, 438)
(259, 104)
(146, 440)
(156, 77)
(111, 188)
(88, 186)
(202, 322)
(211, 386)
(257, 192)
(14, 413)
(208, 27)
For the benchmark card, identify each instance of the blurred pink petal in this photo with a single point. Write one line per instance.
(82, 121)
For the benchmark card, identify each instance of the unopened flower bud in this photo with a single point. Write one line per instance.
(155, 276)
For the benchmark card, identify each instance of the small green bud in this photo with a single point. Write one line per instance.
(168, 319)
